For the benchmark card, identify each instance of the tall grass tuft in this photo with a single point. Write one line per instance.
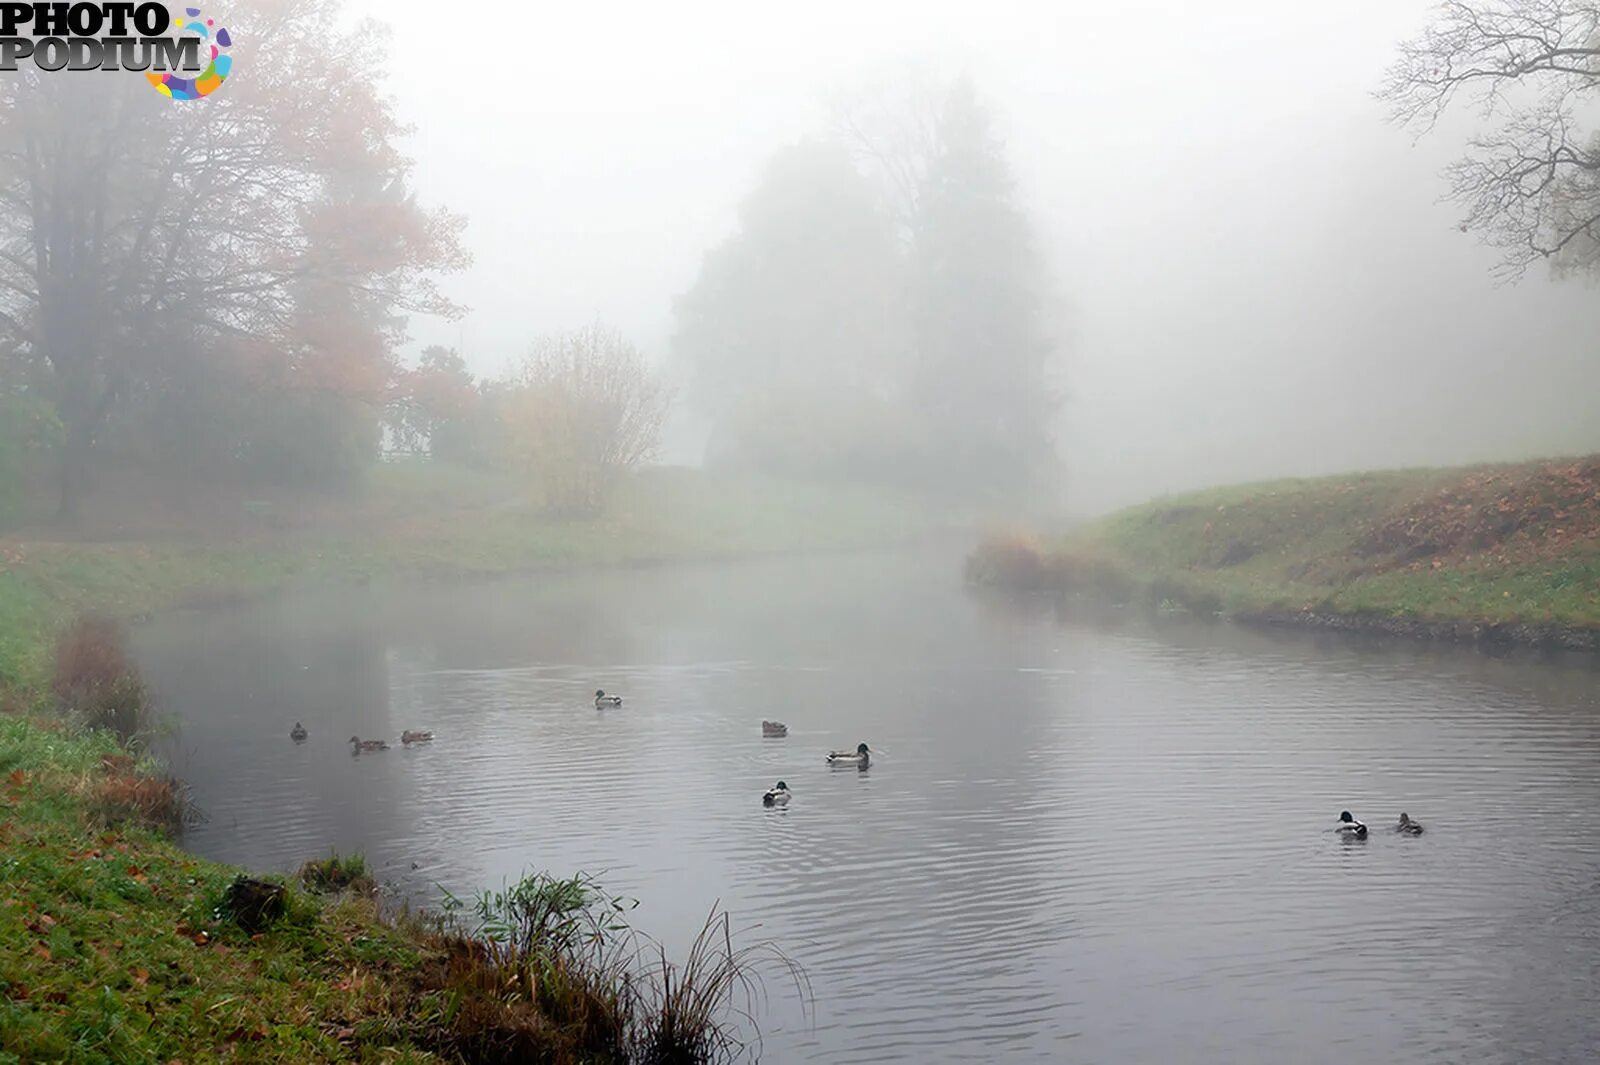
(94, 679)
(549, 969)
(696, 1013)
(539, 970)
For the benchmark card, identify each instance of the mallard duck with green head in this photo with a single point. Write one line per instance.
(860, 759)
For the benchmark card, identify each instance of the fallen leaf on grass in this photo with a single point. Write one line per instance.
(42, 950)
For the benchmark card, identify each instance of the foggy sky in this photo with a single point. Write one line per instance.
(1257, 274)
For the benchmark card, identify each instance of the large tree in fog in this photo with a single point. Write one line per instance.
(982, 381)
(794, 333)
(265, 227)
(1530, 181)
(882, 309)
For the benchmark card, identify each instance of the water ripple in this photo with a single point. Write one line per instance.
(1073, 844)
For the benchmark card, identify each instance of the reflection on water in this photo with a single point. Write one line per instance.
(1076, 842)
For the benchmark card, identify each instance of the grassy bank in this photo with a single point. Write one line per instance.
(1511, 551)
(111, 947)
(116, 945)
(414, 520)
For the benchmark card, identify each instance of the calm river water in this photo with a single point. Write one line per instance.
(1076, 843)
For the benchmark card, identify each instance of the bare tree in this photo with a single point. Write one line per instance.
(1530, 184)
(586, 410)
(892, 132)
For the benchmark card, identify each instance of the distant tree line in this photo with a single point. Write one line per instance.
(882, 310)
(214, 295)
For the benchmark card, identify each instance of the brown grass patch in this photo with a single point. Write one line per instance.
(1527, 510)
(1017, 561)
(94, 678)
(1009, 558)
(122, 797)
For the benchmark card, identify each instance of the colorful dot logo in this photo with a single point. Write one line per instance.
(215, 73)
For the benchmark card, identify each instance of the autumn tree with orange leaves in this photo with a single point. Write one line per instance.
(436, 407)
(265, 233)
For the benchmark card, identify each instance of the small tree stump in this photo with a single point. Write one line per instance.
(254, 904)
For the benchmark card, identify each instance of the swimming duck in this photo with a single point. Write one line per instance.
(367, 745)
(298, 733)
(774, 728)
(860, 758)
(1350, 828)
(778, 796)
(602, 699)
(416, 735)
(1408, 826)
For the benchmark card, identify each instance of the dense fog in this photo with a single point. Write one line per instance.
(1055, 256)
(1256, 273)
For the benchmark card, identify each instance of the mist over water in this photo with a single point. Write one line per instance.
(1103, 843)
(562, 289)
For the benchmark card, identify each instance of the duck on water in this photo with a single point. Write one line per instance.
(1349, 828)
(860, 759)
(777, 796)
(601, 699)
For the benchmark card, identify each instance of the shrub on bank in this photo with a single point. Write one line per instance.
(1017, 561)
(334, 874)
(95, 681)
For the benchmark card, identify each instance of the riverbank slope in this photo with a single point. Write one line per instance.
(1504, 552)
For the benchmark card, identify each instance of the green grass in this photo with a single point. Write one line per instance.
(1473, 545)
(111, 947)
